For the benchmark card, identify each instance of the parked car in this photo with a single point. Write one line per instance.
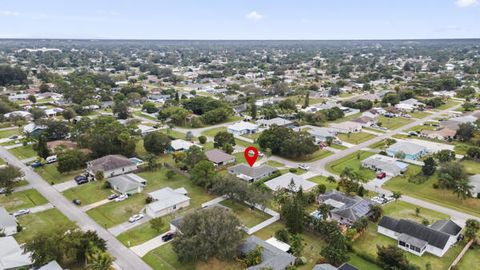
(14, 137)
(77, 201)
(80, 179)
(135, 218)
(168, 236)
(381, 175)
(121, 198)
(303, 167)
(260, 154)
(36, 164)
(21, 212)
(112, 196)
(3, 190)
(51, 159)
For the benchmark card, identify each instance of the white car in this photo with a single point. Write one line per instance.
(303, 167)
(121, 198)
(135, 218)
(21, 212)
(51, 159)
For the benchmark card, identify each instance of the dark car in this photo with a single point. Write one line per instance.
(36, 164)
(167, 237)
(80, 179)
(77, 202)
(112, 196)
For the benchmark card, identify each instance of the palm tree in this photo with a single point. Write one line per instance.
(463, 189)
(324, 210)
(98, 260)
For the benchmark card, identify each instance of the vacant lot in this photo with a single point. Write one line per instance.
(419, 115)
(50, 174)
(352, 161)
(213, 131)
(88, 193)
(245, 214)
(356, 138)
(142, 233)
(22, 199)
(393, 123)
(9, 133)
(23, 152)
(34, 224)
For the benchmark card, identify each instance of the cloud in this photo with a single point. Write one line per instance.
(8, 13)
(466, 3)
(254, 16)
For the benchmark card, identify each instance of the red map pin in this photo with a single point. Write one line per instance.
(251, 158)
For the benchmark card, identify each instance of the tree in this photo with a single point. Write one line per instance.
(41, 147)
(170, 174)
(99, 260)
(253, 110)
(393, 258)
(32, 99)
(203, 173)
(56, 130)
(324, 210)
(157, 224)
(193, 156)
(396, 195)
(296, 244)
(253, 257)
(69, 114)
(336, 252)
(400, 155)
(120, 109)
(239, 191)
(450, 174)
(473, 153)
(149, 107)
(471, 229)
(429, 166)
(306, 102)
(222, 138)
(463, 189)
(37, 114)
(202, 139)
(227, 148)
(70, 160)
(286, 142)
(156, 142)
(151, 161)
(189, 136)
(376, 213)
(211, 239)
(8, 177)
(293, 211)
(99, 176)
(444, 155)
(465, 132)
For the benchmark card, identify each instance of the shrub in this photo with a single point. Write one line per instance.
(202, 139)
(283, 235)
(292, 170)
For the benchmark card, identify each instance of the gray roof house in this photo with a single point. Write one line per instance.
(411, 150)
(274, 121)
(111, 165)
(475, 183)
(284, 181)
(166, 201)
(12, 255)
(251, 174)
(417, 238)
(322, 133)
(8, 223)
(326, 266)
(272, 257)
(53, 265)
(219, 158)
(346, 209)
(389, 165)
(127, 183)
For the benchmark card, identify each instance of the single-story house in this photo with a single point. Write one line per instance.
(322, 133)
(8, 223)
(272, 257)
(12, 255)
(251, 174)
(166, 201)
(409, 105)
(441, 134)
(111, 165)
(33, 129)
(23, 114)
(346, 209)
(242, 128)
(475, 183)
(326, 266)
(181, 145)
(53, 265)
(144, 130)
(219, 158)
(266, 123)
(285, 181)
(417, 238)
(53, 112)
(365, 121)
(411, 150)
(127, 183)
(389, 165)
(18, 97)
(347, 127)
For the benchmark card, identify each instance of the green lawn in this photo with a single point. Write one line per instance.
(173, 133)
(338, 146)
(253, 136)
(50, 173)
(425, 191)
(317, 155)
(9, 133)
(245, 214)
(352, 161)
(243, 143)
(322, 180)
(471, 166)
(274, 163)
(36, 223)
(421, 127)
(22, 199)
(368, 241)
(240, 157)
(471, 259)
(142, 233)
(347, 118)
(2, 161)
(88, 193)
(140, 114)
(356, 138)
(419, 115)
(23, 152)
(450, 103)
(361, 263)
(393, 123)
(213, 131)
(400, 209)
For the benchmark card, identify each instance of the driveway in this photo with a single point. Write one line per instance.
(142, 249)
(41, 208)
(95, 204)
(65, 185)
(127, 226)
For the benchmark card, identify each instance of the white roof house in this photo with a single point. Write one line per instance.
(475, 183)
(32, 127)
(284, 181)
(241, 128)
(181, 145)
(275, 121)
(23, 114)
(389, 165)
(166, 201)
(409, 104)
(347, 127)
(8, 223)
(11, 254)
(53, 265)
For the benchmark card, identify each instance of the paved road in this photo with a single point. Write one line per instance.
(125, 258)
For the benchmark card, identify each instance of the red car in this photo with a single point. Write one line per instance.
(381, 175)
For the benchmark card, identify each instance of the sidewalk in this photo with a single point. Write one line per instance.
(41, 208)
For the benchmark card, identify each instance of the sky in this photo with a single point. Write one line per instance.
(240, 19)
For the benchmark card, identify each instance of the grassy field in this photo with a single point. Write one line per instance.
(471, 259)
(146, 116)
(88, 193)
(23, 152)
(2, 161)
(450, 103)
(9, 133)
(425, 191)
(23, 199)
(393, 123)
(38, 222)
(352, 161)
(471, 166)
(213, 131)
(50, 174)
(322, 180)
(240, 157)
(356, 138)
(421, 127)
(317, 155)
(419, 115)
(142, 233)
(399, 209)
(274, 163)
(245, 214)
